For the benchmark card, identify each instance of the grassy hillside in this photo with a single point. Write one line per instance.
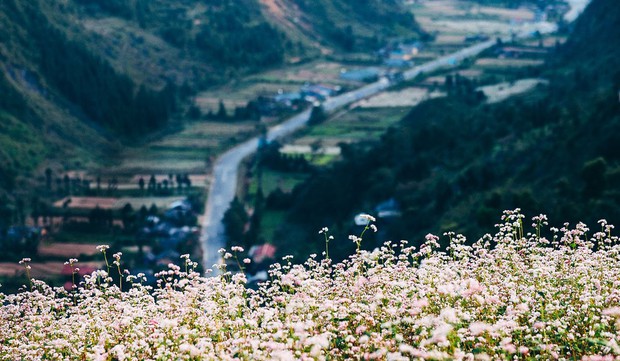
(453, 163)
(354, 25)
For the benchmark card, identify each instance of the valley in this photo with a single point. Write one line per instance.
(189, 148)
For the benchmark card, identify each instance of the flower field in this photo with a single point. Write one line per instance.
(545, 294)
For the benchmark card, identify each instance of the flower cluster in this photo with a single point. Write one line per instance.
(514, 295)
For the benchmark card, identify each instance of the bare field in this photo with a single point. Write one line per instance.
(506, 63)
(408, 97)
(67, 250)
(519, 14)
(318, 71)
(445, 8)
(196, 179)
(449, 39)
(452, 27)
(452, 19)
(498, 92)
(172, 165)
(38, 270)
(87, 202)
(460, 9)
(307, 149)
(117, 203)
(138, 202)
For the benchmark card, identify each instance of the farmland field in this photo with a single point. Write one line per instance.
(452, 21)
(272, 180)
(42, 270)
(117, 203)
(359, 124)
(188, 151)
(288, 79)
(318, 71)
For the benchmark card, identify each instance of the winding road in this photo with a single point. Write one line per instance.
(225, 171)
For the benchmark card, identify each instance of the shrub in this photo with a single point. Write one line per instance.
(508, 296)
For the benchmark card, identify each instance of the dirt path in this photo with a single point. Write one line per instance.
(274, 8)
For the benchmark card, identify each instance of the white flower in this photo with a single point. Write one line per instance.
(367, 217)
(102, 247)
(478, 328)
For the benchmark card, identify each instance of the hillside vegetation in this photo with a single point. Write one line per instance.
(454, 162)
(354, 25)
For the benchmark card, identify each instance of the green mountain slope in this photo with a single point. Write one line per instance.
(454, 164)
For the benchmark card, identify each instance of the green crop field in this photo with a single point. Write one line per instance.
(357, 125)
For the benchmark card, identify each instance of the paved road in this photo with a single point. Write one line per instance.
(225, 170)
(224, 185)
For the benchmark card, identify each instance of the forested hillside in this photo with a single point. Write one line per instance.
(454, 163)
(60, 101)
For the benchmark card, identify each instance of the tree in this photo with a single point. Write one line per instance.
(67, 183)
(315, 147)
(449, 83)
(234, 221)
(317, 116)
(48, 178)
(153, 210)
(127, 216)
(593, 174)
(19, 211)
(7, 178)
(152, 183)
(179, 180)
(97, 218)
(194, 112)
(221, 112)
(165, 185)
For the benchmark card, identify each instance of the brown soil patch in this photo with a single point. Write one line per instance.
(67, 250)
(39, 270)
(88, 202)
